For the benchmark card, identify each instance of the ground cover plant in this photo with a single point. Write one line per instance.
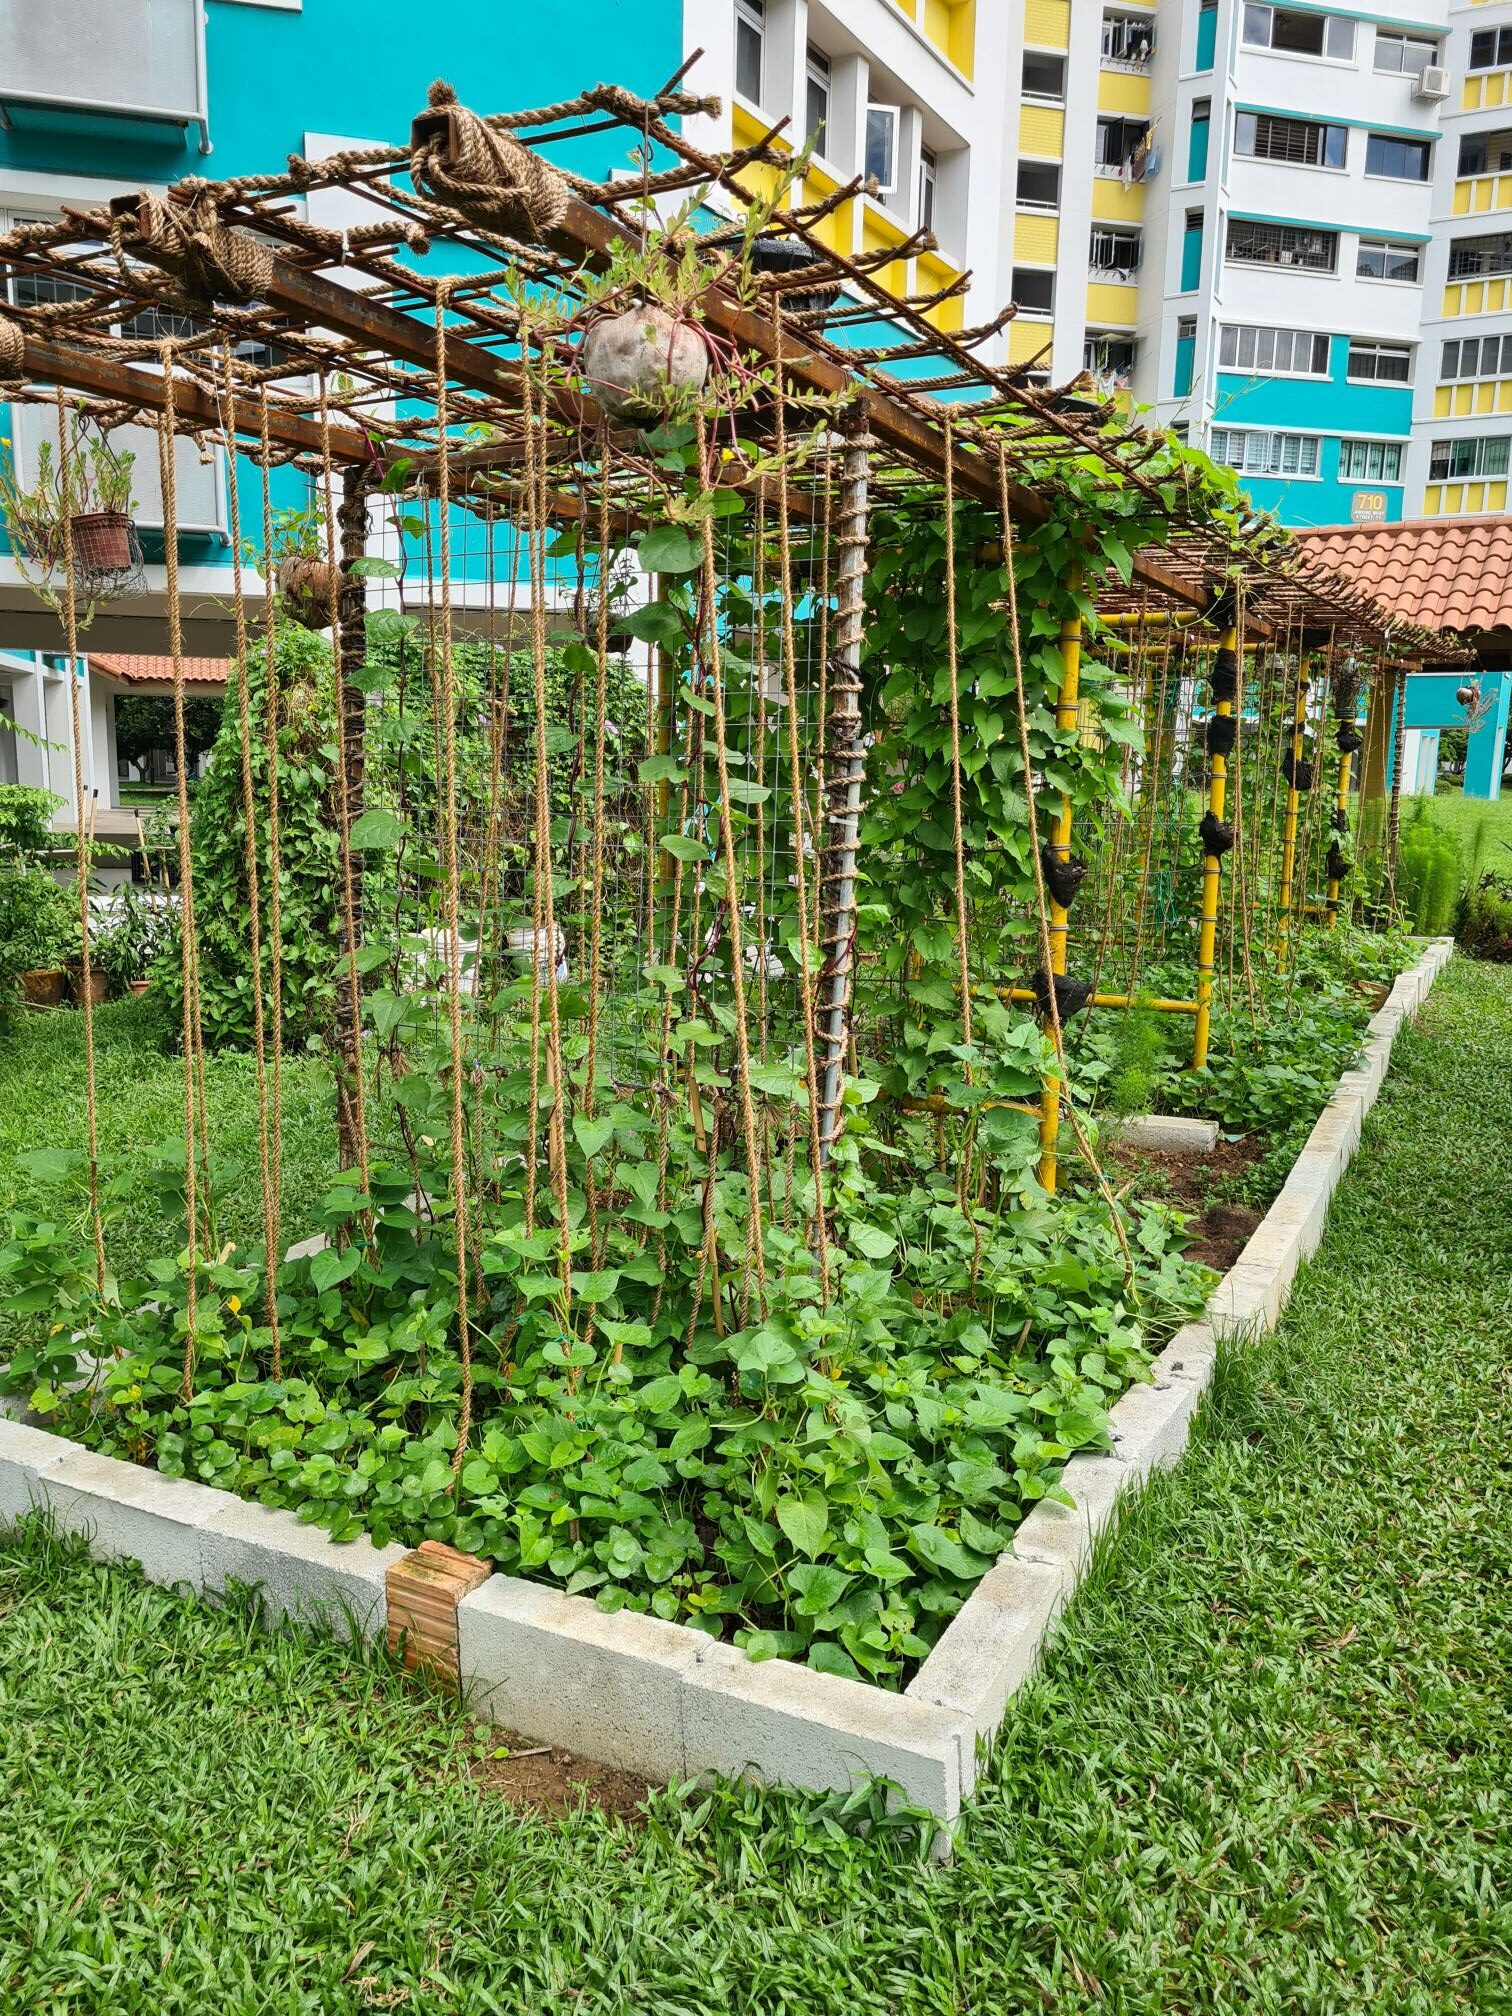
(1264, 1767)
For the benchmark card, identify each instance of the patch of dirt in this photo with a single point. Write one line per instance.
(555, 1782)
(1218, 1232)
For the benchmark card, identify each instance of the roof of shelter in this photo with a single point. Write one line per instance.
(142, 668)
(1448, 574)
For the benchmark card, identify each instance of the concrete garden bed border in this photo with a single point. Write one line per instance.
(665, 1700)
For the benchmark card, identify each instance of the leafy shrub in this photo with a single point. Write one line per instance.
(1485, 926)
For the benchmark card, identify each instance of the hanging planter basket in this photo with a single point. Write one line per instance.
(791, 256)
(307, 588)
(103, 542)
(635, 363)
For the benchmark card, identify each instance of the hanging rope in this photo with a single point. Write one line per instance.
(349, 1063)
(167, 459)
(755, 1253)
(444, 695)
(275, 880)
(254, 891)
(81, 854)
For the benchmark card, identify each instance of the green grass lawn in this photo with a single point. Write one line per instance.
(1267, 1767)
(140, 1103)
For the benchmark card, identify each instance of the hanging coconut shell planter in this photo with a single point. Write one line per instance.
(307, 588)
(640, 362)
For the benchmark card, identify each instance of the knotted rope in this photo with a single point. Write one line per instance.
(495, 180)
(12, 349)
(209, 259)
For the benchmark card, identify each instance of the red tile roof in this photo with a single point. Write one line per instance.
(1446, 573)
(144, 669)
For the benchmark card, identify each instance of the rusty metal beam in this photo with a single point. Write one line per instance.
(92, 371)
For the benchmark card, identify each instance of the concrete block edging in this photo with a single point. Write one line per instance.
(634, 1691)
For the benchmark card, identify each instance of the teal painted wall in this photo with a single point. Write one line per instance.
(1207, 37)
(363, 71)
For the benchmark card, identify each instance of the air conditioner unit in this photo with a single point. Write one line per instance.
(1432, 84)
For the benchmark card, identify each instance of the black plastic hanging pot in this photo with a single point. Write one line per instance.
(1062, 877)
(1071, 996)
(1217, 836)
(782, 256)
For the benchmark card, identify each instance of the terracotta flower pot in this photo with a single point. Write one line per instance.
(102, 542)
(308, 590)
(139, 986)
(99, 987)
(43, 987)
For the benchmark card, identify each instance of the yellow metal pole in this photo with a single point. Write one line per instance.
(1212, 869)
(1289, 833)
(1060, 841)
(1346, 765)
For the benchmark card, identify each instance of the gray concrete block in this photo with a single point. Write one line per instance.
(1062, 1536)
(1150, 1424)
(1275, 1248)
(1172, 1133)
(992, 1644)
(788, 1725)
(559, 1669)
(1190, 1355)
(1337, 1127)
(304, 1249)
(27, 1455)
(1386, 1021)
(129, 1513)
(1306, 1194)
(1245, 1304)
(300, 1570)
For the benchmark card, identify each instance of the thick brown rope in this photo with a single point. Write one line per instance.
(254, 889)
(81, 857)
(275, 876)
(444, 697)
(350, 1065)
(755, 1253)
(167, 444)
(800, 829)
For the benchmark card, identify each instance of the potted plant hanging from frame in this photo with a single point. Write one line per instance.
(307, 582)
(74, 514)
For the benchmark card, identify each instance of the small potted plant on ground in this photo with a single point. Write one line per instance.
(129, 937)
(39, 934)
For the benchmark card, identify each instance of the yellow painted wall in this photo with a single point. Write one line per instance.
(1047, 23)
(1451, 499)
(1036, 240)
(1476, 297)
(1109, 303)
(1113, 204)
(1042, 130)
(1124, 91)
(951, 26)
(1476, 194)
(1485, 90)
(1027, 339)
(1462, 402)
(932, 273)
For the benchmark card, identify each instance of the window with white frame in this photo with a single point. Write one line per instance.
(1474, 455)
(1273, 353)
(1044, 75)
(1307, 143)
(750, 49)
(1485, 153)
(1292, 32)
(1403, 55)
(1477, 357)
(1259, 451)
(1034, 289)
(1383, 363)
(816, 98)
(928, 181)
(1109, 354)
(1039, 185)
(882, 147)
(1113, 251)
(1255, 242)
(1491, 49)
(1128, 38)
(1385, 259)
(1370, 461)
(1400, 160)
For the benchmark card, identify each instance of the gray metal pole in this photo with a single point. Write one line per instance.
(842, 813)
